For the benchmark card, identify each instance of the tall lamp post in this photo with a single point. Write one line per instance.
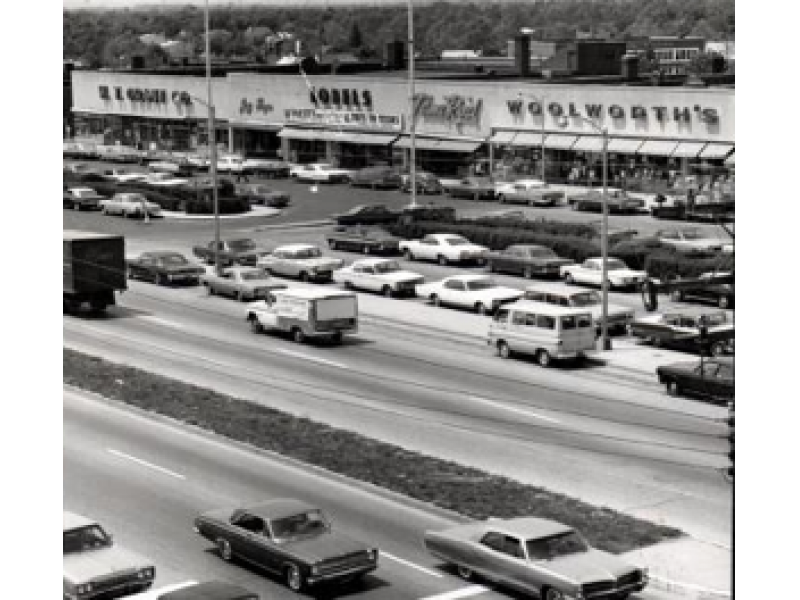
(412, 151)
(541, 101)
(212, 144)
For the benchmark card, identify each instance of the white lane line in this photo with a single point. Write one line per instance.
(163, 322)
(308, 357)
(410, 564)
(144, 463)
(466, 592)
(513, 409)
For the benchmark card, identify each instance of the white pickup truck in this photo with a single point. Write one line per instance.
(306, 313)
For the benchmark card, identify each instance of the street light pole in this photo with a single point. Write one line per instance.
(541, 101)
(212, 143)
(412, 151)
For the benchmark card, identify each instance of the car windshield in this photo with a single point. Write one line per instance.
(540, 252)
(554, 546)
(480, 284)
(251, 275)
(695, 234)
(585, 299)
(239, 245)
(715, 319)
(174, 260)
(457, 241)
(307, 253)
(85, 538)
(324, 167)
(312, 522)
(615, 265)
(390, 266)
(131, 198)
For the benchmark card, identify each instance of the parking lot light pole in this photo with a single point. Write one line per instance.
(541, 101)
(412, 151)
(212, 143)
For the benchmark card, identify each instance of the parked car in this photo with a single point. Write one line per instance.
(290, 539)
(173, 167)
(528, 191)
(242, 251)
(444, 248)
(538, 557)
(681, 329)
(164, 268)
(474, 188)
(712, 378)
(720, 294)
(82, 198)
(118, 154)
(691, 240)
(590, 272)
(382, 275)
(164, 180)
(428, 211)
(242, 283)
(504, 214)
(368, 240)
(124, 175)
(367, 214)
(427, 183)
(257, 193)
(619, 317)
(230, 164)
(96, 567)
(376, 178)
(475, 292)
(322, 173)
(209, 590)
(130, 204)
(528, 260)
(271, 168)
(304, 261)
(82, 171)
(619, 201)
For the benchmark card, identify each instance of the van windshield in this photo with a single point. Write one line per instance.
(585, 299)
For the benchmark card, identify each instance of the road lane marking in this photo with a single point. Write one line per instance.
(514, 409)
(410, 564)
(144, 463)
(164, 322)
(466, 592)
(308, 357)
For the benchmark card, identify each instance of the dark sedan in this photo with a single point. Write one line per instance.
(618, 201)
(711, 378)
(719, 294)
(367, 240)
(367, 214)
(164, 268)
(257, 193)
(377, 178)
(289, 538)
(527, 260)
(474, 188)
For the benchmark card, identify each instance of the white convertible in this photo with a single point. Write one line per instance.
(382, 275)
(444, 248)
(130, 205)
(477, 292)
(321, 173)
(591, 272)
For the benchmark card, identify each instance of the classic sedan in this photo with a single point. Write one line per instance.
(382, 275)
(242, 283)
(367, 240)
(537, 557)
(618, 201)
(712, 378)
(591, 272)
(130, 204)
(720, 294)
(96, 567)
(289, 538)
(619, 317)
(691, 240)
(164, 268)
(304, 261)
(386, 178)
(367, 214)
(527, 260)
(165, 180)
(257, 193)
(476, 292)
(124, 175)
(271, 168)
(474, 188)
(322, 173)
(681, 329)
(427, 183)
(82, 198)
(444, 248)
(528, 191)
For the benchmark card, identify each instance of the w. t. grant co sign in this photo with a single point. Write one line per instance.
(679, 114)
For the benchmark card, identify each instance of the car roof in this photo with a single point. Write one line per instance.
(468, 277)
(244, 269)
(312, 293)
(541, 307)
(528, 527)
(291, 247)
(552, 288)
(526, 246)
(279, 508)
(368, 262)
(75, 521)
(210, 590)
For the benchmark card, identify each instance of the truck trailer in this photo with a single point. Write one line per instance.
(94, 269)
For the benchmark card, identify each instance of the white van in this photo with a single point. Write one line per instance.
(544, 331)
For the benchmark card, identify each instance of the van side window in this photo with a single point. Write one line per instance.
(545, 322)
(530, 320)
(501, 316)
(568, 323)
(539, 296)
(584, 321)
(519, 318)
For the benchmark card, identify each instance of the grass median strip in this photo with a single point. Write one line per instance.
(468, 491)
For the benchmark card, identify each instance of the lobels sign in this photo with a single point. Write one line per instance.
(150, 96)
(683, 114)
(341, 98)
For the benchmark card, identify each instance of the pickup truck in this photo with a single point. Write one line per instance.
(231, 252)
(306, 313)
(94, 268)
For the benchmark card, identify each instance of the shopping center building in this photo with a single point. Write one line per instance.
(460, 124)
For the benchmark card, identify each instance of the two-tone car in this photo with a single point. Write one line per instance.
(619, 201)
(618, 316)
(536, 557)
(590, 272)
(290, 539)
(528, 191)
(712, 378)
(474, 292)
(82, 198)
(364, 239)
(692, 240)
(130, 204)
(238, 251)
(242, 283)
(383, 275)
(302, 261)
(444, 248)
(96, 567)
(164, 268)
(706, 331)
(528, 260)
(321, 173)
(426, 183)
(472, 188)
(258, 193)
(386, 178)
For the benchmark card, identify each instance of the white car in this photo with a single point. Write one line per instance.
(591, 272)
(382, 275)
(304, 261)
(321, 173)
(230, 164)
(528, 191)
(129, 205)
(164, 180)
(124, 175)
(444, 248)
(692, 240)
(476, 292)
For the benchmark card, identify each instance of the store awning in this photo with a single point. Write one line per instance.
(375, 139)
(301, 134)
(730, 160)
(688, 149)
(624, 145)
(503, 137)
(560, 141)
(256, 125)
(422, 143)
(716, 151)
(588, 143)
(658, 148)
(528, 139)
(458, 146)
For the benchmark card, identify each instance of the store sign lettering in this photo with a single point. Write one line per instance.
(352, 99)
(682, 114)
(150, 96)
(246, 107)
(455, 110)
(339, 118)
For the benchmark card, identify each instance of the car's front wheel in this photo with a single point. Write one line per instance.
(543, 358)
(408, 255)
(503, 350)
(464, 572)
(294, 578)
(552, 594)
(224, 549)
(673, 389)
(481, 308)
(569, 278)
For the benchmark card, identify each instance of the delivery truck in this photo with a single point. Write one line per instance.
(94, 269)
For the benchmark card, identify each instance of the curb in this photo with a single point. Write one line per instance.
(264, 212)
(298, 225)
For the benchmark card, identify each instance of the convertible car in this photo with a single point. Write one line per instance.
(288, 538)
(537, 557)
(681, 328)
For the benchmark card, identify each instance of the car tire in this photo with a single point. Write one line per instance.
(501, 199)
(464, 572)
(337, 338)
(294, 578)
(332, 244)
(365, 249)
(673, 389)
(503, 350)
(543, 358)
(240, 296)
(298, 336)
(435, 300)
(160, 280)
(76, 206)
(569, 278)
(677, 296)
(717, 349)
(552, 594)
(224, 549)
(482, 309)
(131, 274)
(103, 210)
(442, 260)
(724, 302)
(303, 276)
(492, 268)
(408, 255)
(387, 291)
(255, 325)
(527, 273)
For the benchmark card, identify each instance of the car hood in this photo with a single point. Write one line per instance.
(324, 547)
(626, 273)
(399, 276)
(318, 263)
(500, 293)
(587, 567)
(85, 566)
